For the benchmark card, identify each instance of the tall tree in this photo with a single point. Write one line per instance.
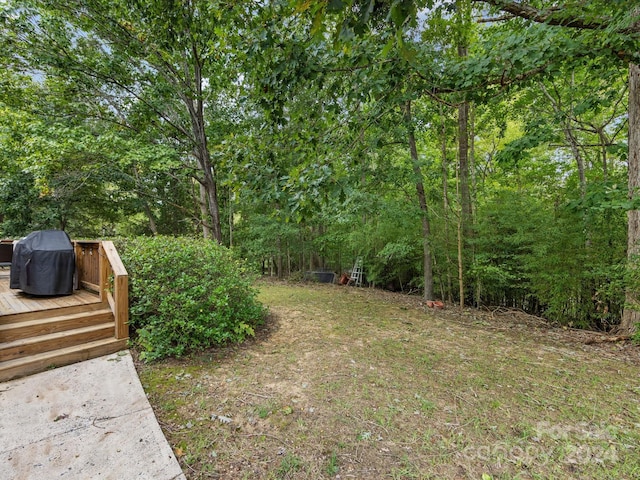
(427, 267)
(631, 315)
(168, 58)
(619, 26)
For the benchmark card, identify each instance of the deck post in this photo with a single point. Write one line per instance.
(120, 294)
(122, 306)
(103, 268)
(77, 251)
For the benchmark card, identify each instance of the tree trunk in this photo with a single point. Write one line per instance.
(464, 192)
(145, 203)
(445, 203)
(472, 160)
(575, 150)
(231, 198)
(204, 211)
(604, 141)
(463, 158)
(464, 222)
(195, 107)
(422, 200)
(279, 257)
(460, 248)
(473, 195)
(631, 315)
(211, 188)
(569, 137)
(152, 223)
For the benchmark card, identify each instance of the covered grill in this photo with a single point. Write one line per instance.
(43, 264)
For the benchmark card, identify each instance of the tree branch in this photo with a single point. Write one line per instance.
(502, 18)
(503, 81)
(557, 15)
(354, 68)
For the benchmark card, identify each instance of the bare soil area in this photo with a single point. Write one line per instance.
(343, 382)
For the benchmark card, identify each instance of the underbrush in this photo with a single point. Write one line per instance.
(187, 294)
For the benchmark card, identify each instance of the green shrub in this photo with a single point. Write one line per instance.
(187, 294)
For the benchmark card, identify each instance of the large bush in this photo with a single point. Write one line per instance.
(187, 294)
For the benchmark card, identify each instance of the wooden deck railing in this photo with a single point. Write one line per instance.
(100, 269)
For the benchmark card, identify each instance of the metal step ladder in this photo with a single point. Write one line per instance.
(356, 273)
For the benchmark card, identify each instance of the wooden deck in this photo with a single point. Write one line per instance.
(38, 333)
(14, 301)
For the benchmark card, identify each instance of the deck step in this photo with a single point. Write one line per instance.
(53, 312)
(55, 341)
(44, 326)
(43, 361)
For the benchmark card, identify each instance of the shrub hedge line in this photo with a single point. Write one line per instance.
(187, 294)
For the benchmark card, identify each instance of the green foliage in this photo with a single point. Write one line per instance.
(532, 255)
(257, 236)
(289, 464)
(187, 294)
(121, 128)
(18, 200)
(333, 467)
(397, 265)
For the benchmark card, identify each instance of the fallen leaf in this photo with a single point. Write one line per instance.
(221, 418)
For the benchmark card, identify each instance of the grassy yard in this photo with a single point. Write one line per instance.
(355, 383)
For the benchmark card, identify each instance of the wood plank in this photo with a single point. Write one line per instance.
(104, 271)
(25, 347)
(57, 312)
(111, 302)
(90, 286)
(16, 302)
(122, 306)
(44, 326)
(41, 362)
(114, 259)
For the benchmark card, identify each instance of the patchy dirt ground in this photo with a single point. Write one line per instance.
(357, 383)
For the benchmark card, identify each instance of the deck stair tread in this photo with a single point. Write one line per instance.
(55, 358)
(55, 312)
(42, 326)
(54, 341)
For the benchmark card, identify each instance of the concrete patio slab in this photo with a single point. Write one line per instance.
(88, 420)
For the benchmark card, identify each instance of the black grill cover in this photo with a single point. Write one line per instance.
(43, 264)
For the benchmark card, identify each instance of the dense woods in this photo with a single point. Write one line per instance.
(480, 152)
